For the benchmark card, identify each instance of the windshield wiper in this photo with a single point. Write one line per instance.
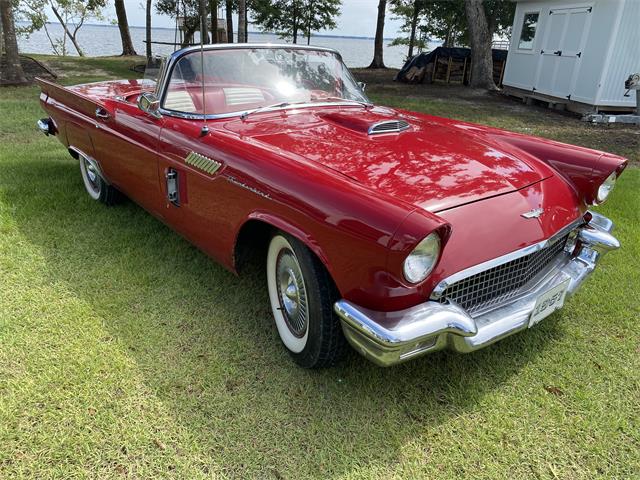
(360, 102)
(266, 107)
(288, 104)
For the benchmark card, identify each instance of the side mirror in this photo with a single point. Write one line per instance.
(362, 86)
(148, 102)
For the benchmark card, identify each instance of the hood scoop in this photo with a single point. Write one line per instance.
(370, 123)
(388, 126)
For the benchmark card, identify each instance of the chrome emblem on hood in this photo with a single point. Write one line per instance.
(535, 213)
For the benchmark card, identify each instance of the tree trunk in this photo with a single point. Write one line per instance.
(378, 61)
(1, 38)
(148, 31)
(309, 20)
(447, 40)
(14, 73)
(294, 26)
(242, 27)
(204, 29)
(67, 32)
(414, 24)
(123, 25)
(229, 10)
(480, 37)
(213, 7)
(246, 25)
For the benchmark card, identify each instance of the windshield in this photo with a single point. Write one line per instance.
(239, 79)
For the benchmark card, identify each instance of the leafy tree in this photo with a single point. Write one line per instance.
(71, 14)
(412, 12)
(14, 73)
(289, 18)
(447, 20)
(189, 11)
(458, 23)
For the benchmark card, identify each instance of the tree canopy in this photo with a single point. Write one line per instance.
(447, 20)
(71, 14)
(290, 18)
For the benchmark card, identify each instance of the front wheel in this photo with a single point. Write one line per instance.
(302, 296)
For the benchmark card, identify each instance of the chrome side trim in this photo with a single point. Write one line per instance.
(388, 338)
(494, 262)
(206, 164)
(95, 163)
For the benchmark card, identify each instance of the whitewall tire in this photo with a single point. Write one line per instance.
(96, 186)
(302, 295)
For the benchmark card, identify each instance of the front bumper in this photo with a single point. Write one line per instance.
(388, 338)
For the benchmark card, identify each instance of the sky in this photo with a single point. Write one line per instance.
(358, 18)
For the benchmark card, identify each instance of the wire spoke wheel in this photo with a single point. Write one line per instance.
(288, 294)
(302, 295)
(292, 293)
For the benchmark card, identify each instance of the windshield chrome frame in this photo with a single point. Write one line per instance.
(170, 62)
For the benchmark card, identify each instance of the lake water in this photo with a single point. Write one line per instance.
(101, 40)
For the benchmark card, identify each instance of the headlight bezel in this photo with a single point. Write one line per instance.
(427, 252)
(605, 189)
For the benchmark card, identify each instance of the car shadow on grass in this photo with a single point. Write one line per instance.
(205, 344)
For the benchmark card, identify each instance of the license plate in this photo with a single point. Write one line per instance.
(548, 302)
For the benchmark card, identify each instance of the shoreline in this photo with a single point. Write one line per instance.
(251, 32)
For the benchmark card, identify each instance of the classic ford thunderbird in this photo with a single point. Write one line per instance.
(397, 232)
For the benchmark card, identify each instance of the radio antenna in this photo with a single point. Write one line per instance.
(203, 24)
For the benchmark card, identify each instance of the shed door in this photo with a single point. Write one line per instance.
(561, 53)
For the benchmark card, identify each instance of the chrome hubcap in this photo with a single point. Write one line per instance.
(292, 293)
(92, 175)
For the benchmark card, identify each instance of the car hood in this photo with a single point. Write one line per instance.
(435, 164)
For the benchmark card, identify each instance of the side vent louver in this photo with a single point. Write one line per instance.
(203, 163)
(388, 126)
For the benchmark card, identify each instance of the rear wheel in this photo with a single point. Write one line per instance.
(96, 186)
(302, 296)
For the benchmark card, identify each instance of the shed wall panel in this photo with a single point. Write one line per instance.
(593, 59)
(624, 58)
(611, 51)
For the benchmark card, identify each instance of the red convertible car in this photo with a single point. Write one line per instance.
(401, 233)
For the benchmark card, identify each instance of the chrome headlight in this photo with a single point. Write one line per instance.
(605, 189)
(420, 262)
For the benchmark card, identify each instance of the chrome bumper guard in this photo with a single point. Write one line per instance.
(388, 338)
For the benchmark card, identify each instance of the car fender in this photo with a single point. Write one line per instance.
(289, 227)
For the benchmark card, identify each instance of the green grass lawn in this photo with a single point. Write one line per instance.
(125, 352)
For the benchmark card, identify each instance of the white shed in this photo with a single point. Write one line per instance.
(578, 54)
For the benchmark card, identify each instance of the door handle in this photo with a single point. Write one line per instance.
(558, 52)
(102, 114)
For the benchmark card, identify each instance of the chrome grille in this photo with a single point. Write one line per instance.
(499, 284)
